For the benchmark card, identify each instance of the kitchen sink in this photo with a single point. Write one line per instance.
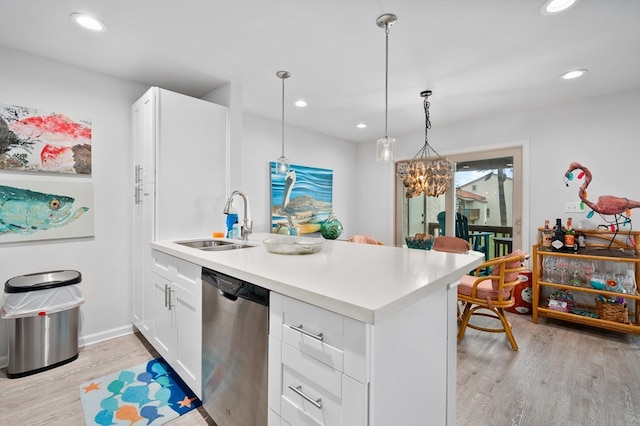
(214, 245)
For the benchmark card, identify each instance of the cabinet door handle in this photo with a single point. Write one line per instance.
(298, 389)
(137, 178)
(166, 297)
(299, 329)
(170, 291)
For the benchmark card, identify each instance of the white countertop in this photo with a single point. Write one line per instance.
(360, 281)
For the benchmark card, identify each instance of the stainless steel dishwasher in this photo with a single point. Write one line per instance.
(235, 331)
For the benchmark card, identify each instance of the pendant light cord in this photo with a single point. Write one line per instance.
(283, 116)
(427, 149)
(386, 80)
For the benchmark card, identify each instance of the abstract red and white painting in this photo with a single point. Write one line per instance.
(33, 140)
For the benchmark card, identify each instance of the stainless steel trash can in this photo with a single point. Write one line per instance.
(42, 311)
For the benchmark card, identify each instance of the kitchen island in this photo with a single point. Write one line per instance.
(395, 315)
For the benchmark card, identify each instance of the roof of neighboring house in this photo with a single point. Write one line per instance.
(466, 195)
(484, 177)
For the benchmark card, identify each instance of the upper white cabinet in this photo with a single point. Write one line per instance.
(179, 150)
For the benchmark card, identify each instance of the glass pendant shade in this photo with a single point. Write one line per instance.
(384, 153)
(282, 165)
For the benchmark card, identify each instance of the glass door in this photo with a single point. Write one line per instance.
(488, 191)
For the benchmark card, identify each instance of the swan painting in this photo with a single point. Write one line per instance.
(300, 200)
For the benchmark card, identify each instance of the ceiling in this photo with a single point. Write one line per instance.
(480, 58)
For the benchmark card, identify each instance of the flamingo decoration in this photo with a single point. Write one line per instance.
(606, 204)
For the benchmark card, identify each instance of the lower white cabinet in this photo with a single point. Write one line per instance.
(326, 369)
(317, 367)
(176, 330)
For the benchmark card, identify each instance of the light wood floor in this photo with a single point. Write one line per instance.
(562, 375)
(52, 397)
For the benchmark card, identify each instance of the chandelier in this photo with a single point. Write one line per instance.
(426, 174)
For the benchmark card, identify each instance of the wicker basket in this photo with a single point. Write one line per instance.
(616, 312)
(417, 243)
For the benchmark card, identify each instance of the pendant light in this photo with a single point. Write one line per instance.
(425, 174)
(384, 151)
(282, 163)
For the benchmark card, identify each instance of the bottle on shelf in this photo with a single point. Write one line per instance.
(547, 236)
(557, 241)
(582, 241)
(569, 237)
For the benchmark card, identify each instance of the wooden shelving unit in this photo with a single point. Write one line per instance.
(601, 246)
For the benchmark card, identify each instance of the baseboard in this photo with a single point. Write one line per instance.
(105, 335)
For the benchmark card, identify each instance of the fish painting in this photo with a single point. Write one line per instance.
(54, 129)
(23, 211)
(36, 141)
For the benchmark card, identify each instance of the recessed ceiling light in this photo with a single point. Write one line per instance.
(551, 7)
(361, 126)
(88, 22)
(300, 104)
(570, 75)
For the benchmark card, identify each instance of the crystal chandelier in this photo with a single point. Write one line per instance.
(282, 164)
(426, 174)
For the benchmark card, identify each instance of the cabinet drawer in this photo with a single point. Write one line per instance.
(331, 397)
(331, 338)
(185, 274)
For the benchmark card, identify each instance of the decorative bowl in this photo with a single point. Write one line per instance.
(598, 284)
(293, 245)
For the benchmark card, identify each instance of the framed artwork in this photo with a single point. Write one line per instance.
(38, 141)
(44, 209)
(300, 200)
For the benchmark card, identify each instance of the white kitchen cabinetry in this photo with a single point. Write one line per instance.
(317, 365)
(179, 151)
(328, 369)
(177, 316)
(143, 224)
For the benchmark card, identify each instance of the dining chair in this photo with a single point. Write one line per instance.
(450, 244)
(489, 295)
(461, 225)
(364, 239)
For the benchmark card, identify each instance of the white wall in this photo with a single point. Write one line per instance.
(262, 143)
(601, 133)
(104, 260)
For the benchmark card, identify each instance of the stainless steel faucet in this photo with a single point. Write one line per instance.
(247, 223)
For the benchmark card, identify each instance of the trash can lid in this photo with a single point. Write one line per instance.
(41, 281)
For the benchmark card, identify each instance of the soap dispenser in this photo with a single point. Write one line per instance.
(235, 230)
(232, 218)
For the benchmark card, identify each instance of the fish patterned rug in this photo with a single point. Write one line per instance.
(147, 394)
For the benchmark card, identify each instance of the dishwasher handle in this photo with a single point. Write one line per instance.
(229, 296)
(233, 288)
